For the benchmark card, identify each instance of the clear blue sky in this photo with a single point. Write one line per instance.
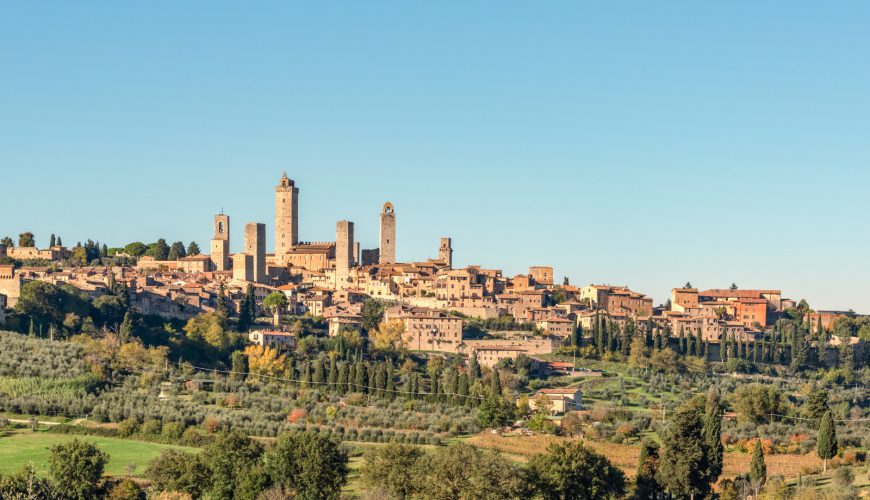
(639, 143)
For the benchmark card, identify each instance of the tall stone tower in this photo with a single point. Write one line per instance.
(220, 243)
(286, 217)
(388, 235)
(445, 252)
(343, 252)
(255, 246)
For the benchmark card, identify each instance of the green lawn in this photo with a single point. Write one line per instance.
(17, 449)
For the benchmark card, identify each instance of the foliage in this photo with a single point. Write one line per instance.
(264, 361)
(713, 434)
(683, 461)
(176, 470)
(76, 468)
(211, 328)
(756, 402)
(309, 464)
(392, 468)
(645, 483)
(495, 411)
(372, 314)
(757, 468)
(463, 471)
(826, 442)
(229, 459)
(572, 470)
(26, 484)
(388, 335)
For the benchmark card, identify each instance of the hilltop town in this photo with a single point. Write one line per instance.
(434, 300)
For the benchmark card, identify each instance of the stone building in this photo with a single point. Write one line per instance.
(243, 267)
(286, 218)
(255, 246)
(311, 256)
(427, 329)
(445, 252)
(10, 284)
(343, 253)
(388, 235)
(542, 275)
(220, 243)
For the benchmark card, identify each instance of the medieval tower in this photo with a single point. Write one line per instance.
(445, 252)
(388, 235)
(220, 243)
(255, 246)
(286, 217)
(344, 259)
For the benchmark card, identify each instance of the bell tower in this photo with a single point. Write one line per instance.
(388, 235)
(286, 217)
(220, 243)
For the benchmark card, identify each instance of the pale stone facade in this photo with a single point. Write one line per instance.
(343, 253)
(557, 401)
(272, 338)
(255, 246)
(286, 217)
(428, 330)
(220, 243)
(542, 275)
(388, 235)
(10, 284)
(243, 267)
(445, 252)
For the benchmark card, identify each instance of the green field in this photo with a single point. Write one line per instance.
(17, 449)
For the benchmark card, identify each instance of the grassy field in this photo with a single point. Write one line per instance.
(19, 448)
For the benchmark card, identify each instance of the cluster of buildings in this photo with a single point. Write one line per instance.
(432, 298)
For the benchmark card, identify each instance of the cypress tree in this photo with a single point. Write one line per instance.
(826, 440)
(239, 363)
(306, 376)
(291, 370)
(495, 383)
(473, 370)
(221, 301)
(713, 435)
(734, 342)
(342, 378)
(351, 377)
(362, 378)
(757, 468)
(462, 389)
(319, 376)
(126, 330)
(390, 389)
(332, 378)
(699, 340)
(684, 470)
(30, 332)
(382, 379)
(52, 241)
(682, 345)
(645, 484)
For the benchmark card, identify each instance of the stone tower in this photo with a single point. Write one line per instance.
(343, 252)
(286, 217)
(220, 243)
(255, 246)
(388, 235)
(445, 252)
